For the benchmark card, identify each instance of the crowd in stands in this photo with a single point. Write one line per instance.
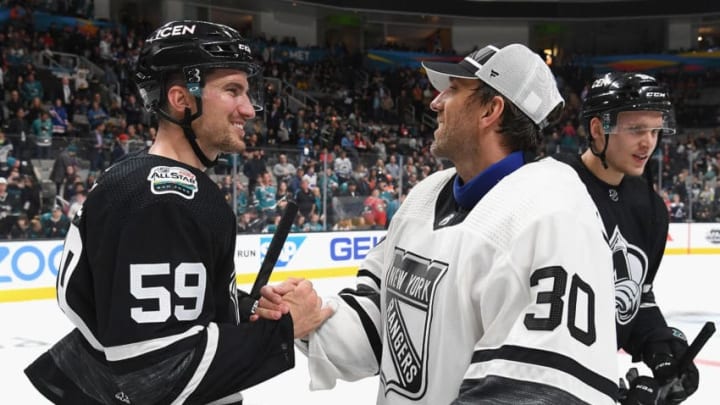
(348, 156)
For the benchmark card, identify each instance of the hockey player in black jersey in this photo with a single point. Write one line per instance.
(147, 273)
(625, 114)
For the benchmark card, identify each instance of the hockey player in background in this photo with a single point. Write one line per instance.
(491, 285)
(147, 273)
(624, 115)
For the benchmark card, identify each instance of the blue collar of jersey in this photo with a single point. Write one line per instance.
(468, 194)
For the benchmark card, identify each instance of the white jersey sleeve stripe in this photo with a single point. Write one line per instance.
(369, 326)
(128, 351)
(203, 366)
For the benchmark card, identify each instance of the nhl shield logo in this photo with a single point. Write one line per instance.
(411, 284)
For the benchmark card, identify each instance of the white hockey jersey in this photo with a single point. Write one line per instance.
(510, 302)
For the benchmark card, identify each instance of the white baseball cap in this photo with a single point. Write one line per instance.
(514, 71)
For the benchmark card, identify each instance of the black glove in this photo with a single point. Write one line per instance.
(643, 391)
(662, 356)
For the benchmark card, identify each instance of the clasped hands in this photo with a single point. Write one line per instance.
(297, 297)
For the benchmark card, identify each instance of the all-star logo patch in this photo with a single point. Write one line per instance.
(173, 180)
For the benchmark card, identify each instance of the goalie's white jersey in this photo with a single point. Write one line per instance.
(512, 301)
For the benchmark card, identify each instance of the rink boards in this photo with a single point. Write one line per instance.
(28, 268)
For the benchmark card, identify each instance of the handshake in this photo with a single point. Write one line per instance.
(294, 296)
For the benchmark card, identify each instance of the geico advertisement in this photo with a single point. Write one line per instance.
(307, 251)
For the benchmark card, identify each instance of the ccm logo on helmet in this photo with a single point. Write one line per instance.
(172, 32)
(657, 94)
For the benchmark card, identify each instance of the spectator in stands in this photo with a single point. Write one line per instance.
(392, 167)
(350, 190)
(97, 151)
(9, 207)
(343, 167)
(67, 157)
(34, 110)
(29, 195)
(69, 184)
(305, 199)
(677, 209)
(325, 157)
(21, 228)
(254, 166)
(36, 228)
(283, 170)
(299, 225)
(310, 176)
(265, 193)
(305, 148)
(241, 198)
(347, 145)
(296, 180)
(375, 210)
(31, 89)
(42, 130)
(67, 94)
(14, 103)
(227, 188)
(96, 114)
(55, 223)
(59, 117)
(409, 168)
(283, 194)
(6, 151)
(314, 224)
(120, 148)
(328, 181)
(133, 110)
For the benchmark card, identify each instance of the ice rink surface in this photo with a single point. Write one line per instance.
(686, 288)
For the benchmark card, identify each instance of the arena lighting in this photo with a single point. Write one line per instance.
(700, 38)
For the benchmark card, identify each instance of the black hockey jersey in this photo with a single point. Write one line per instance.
(636, 226)
(147, 277)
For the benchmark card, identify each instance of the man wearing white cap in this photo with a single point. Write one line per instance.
(491, 286)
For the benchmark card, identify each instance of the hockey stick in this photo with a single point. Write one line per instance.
(697, 344)
(249, 304)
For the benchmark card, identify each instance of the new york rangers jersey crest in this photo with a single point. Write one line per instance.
(412, 281)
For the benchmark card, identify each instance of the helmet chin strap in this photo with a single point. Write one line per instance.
(601, 154)
(189, 133)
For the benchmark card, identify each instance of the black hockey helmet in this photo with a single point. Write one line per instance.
(191, 49)
(616, 92)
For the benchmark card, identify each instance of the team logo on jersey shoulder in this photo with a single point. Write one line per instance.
(173, 180)
(631, 268)
(411, 284)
